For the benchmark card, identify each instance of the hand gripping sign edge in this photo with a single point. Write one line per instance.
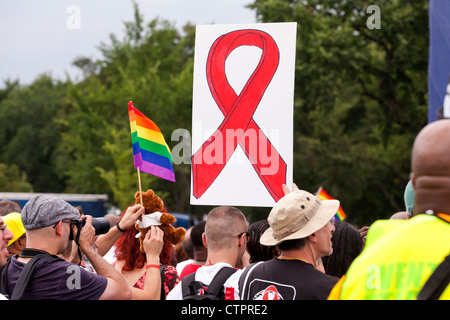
(238, 111)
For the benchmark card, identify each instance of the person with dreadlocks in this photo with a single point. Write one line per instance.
(255, 249)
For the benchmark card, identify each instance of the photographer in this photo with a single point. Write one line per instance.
(49, 223)
(108, 235)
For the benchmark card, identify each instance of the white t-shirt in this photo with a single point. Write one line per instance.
(206, 274)
(110, 256)
(182, 264)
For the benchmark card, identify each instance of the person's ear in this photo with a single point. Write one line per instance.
(243, 239)
(204, 240)
(58, 227)
(20, 243)
(312, 237)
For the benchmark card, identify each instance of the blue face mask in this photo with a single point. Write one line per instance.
(409, 198)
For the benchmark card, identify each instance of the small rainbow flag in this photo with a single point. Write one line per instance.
(151, 153)
(340, 215)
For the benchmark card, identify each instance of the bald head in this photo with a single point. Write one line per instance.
(431, 150)
(430, 164)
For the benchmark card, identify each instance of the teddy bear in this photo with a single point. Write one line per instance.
(155, 215)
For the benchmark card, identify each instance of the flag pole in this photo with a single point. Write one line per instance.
(140, 186)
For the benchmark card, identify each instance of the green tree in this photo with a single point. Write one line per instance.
(13, 180)
(28, 135)
(360, 98)
(151, 66)
(9, 87)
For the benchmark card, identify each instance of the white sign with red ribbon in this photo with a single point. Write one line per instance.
(242, 118)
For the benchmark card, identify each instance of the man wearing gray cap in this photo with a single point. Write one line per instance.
(48, 225)
(301, 226)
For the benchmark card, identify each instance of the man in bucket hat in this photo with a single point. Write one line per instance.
(301, 226)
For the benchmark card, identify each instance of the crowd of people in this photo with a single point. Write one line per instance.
(300, 252)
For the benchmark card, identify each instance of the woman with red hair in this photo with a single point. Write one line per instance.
(144, 271)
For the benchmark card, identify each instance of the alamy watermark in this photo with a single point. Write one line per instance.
(74, 280)
(73, 22)
(374, 277)
(260, 146)
(374, 21)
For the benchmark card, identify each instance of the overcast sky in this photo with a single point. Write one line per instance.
(45, 36)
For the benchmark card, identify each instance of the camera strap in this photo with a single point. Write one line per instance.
(30, 253)
(27, 271)
(77, 238)
(437, 282)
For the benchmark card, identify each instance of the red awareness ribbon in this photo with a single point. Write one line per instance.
(238, 111)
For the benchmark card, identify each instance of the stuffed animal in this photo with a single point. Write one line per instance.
(155, 215)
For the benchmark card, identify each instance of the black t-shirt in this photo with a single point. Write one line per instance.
(285, 280)
(56, 279)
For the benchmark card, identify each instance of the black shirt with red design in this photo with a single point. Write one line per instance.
(279, 279)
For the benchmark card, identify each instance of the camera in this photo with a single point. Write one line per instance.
(101, 225)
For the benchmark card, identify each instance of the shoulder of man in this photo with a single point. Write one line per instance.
(205, 274)
(245, 276)
(188, 269)
(391, 242)
(65, 279)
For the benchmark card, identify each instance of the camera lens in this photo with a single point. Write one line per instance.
(101, 225)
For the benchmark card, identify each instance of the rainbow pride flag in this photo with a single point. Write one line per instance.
(340, 215)
(151, 153)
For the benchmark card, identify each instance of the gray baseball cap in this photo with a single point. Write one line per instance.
(42, 211)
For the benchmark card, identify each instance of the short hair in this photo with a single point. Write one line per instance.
(294, 244)
(8, 206)
(222, 225)
(187, 244)
(196, 234)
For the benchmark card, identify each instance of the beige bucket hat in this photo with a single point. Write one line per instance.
(297, 215)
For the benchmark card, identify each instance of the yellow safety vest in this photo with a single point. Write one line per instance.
(398, 258)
